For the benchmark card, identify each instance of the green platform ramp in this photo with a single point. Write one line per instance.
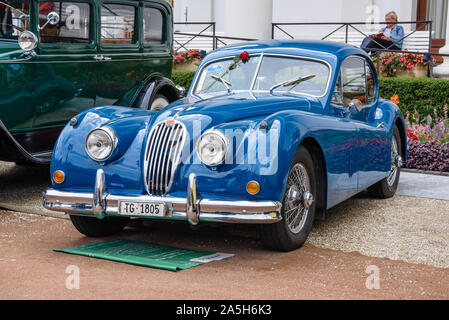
(146, 254)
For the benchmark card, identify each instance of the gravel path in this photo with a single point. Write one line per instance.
(410, 229)
(21, 188)
(404, 228)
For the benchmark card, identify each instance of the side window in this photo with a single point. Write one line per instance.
(153, 26)
(353, 77)
(118, 24)
(370, 84)
(73, 26)
(337, 96)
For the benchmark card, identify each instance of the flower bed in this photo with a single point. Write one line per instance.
(187, 60)
(428, 146)
(402, 64)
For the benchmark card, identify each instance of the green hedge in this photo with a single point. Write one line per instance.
(183, 78)
(415, 94)
(420, 95)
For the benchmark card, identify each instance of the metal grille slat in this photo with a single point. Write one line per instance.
(153, 162)
(174, 156)
(178, 149)
(150, 149)
(166, 161)
(163, 152)
(160, 158)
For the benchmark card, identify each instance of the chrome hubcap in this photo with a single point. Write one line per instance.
(396, 163)
(299, 199)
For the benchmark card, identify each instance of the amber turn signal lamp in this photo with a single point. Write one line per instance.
(58, 176)
(253, 187)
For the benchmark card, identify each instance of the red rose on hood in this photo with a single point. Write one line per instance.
(244, 56)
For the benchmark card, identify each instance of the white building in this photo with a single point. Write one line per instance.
(253, 18)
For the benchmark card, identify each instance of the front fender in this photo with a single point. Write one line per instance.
(123, 170)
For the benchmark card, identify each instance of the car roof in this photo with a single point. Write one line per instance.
(318, 47)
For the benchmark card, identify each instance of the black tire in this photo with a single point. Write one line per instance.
(96, 228)
(280, 236)
(158, 103)
(387, 187)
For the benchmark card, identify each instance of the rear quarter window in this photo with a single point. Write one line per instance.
(153, 26)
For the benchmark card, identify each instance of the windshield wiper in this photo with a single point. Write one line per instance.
(291, 83)
(226, 83)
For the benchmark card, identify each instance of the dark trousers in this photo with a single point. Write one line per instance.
(369, 44)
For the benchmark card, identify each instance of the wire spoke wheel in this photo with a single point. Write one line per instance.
(298, 186)
(394, 163)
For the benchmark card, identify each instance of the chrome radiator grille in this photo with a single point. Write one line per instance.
(162, 156)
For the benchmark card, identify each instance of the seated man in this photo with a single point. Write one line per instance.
(389, 37)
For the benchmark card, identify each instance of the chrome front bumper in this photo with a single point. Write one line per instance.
(100, 204)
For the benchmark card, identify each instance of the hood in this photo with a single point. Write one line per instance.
(233, 107)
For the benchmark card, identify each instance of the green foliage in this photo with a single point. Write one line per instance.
(183, 78)
(421, 95)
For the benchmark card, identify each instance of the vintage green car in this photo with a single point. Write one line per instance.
(58, 58)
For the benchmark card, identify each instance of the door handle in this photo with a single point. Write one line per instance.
(101, 58)
(381, 125)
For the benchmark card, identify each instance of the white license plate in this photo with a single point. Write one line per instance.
(142, 209)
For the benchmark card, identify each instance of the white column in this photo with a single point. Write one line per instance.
(248, 19)
(442, 71)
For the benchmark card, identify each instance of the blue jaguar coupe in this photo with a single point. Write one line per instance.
(271, 133)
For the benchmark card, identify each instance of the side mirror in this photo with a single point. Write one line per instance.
(28, 41)
(52, 19)
(181, 91)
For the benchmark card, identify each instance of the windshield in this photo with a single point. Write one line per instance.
(225, 76)
(14, 18)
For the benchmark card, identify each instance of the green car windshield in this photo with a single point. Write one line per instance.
(223, 76)
(14, 18)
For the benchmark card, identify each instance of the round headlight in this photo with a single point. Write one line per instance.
(212, 147)
(27, 41)
(100, 143)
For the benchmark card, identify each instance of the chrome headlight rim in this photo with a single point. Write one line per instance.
(225, 143)
(113, 139)
(32, 39)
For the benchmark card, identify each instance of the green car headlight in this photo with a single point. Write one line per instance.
(101, 143)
